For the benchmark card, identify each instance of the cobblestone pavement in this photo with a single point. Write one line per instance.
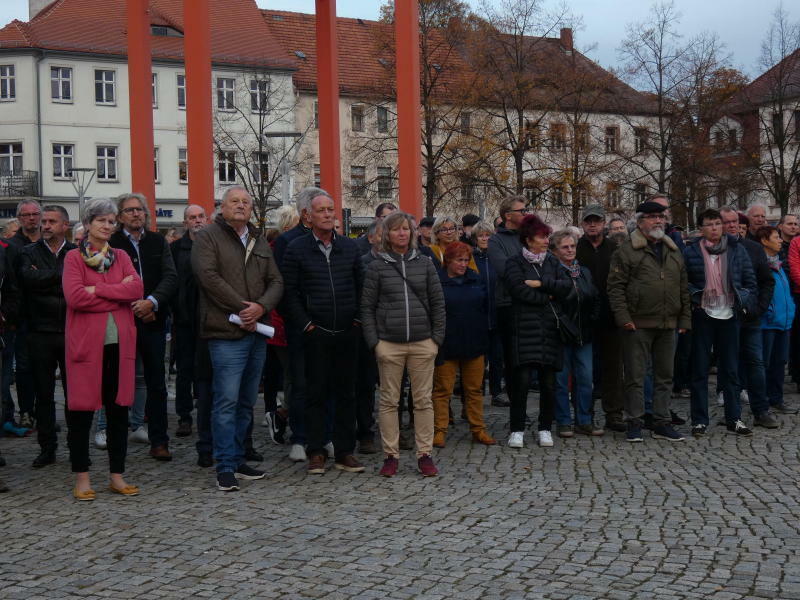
(715, 518)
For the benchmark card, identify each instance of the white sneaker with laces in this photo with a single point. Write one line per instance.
(545, 439)
(139, 435)
(720, 399)
(100, 440)
(516, 439)
(298, 453)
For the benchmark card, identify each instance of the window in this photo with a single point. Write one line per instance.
(532, 190)
(733, 140)
(10, 158)
(467, 190)
(383, 120)
(558, 136)
(358, 182)
(777, 128)
(640, 139)
(62, 160)
(106, 163)
(797, 125)
(640, 193)
(317, 177)
(225, 93)
(316, 115)
(557, 195)
(466, 123)
(582, 137)
(259, 95)
(104, 86)
(61, 84)
(613, 196)
(226, 166)
(155, 165)
(357, 117)
(183, 166)
(384, 182)
(581, 194)
(532, 136)
(181, 91)
(719, 141)
(8, 86)
(612, 139)
(155, 90)
(259, 166)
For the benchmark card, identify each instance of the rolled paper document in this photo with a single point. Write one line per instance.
(264, 330)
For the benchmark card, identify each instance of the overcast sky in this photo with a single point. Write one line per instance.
(741, 24)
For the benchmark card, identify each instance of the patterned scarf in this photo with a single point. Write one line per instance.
(774, 262)
(574, 269)
(534, 259)
(717, 293)
(99, 260)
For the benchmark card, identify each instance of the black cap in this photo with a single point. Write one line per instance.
(426, 222)
(469, 220)
(649, 208)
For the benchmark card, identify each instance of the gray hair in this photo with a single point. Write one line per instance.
(757, 205)
(122, 198)
(284, 216)
(728, 208)
(480, 227)
(78, 230)
(56, 208)
(438, 224)
(186, 210)
(393, 221)
(616, 218)
(98, 207)
(306, 195)
(8, 224)
(556, 238)
(235, 188)
(28, 201)
(374, 227)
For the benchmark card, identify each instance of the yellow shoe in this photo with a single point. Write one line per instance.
(128, 490)
(438, 439)
(86, 496)
(483, 438)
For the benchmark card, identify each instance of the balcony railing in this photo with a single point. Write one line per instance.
(22, 183)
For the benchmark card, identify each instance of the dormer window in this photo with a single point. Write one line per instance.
(165, 31)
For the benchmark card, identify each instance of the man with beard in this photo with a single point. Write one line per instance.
(647, 290)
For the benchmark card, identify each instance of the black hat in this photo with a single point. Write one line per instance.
(469, 220)
(649, 208)
(426, 222)
(593, 210)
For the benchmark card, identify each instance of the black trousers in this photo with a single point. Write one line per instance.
(330, 365)
(184, 346)
(79, 422)
(505, 328)
(47, 351)
(151, 346)
(365, 392)
(519, 396)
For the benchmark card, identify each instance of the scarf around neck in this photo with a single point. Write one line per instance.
(573, 268)
(533, 258)
(774, 262)
(99, 260)
(717, 294)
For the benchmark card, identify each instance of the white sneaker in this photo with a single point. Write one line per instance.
(720, 399)
(265, 422)
(744, 396)
(279, 399)
(516, 439)
(329, 450)
(297, 453)
(545, 439)
(100, 440)
(139, 435)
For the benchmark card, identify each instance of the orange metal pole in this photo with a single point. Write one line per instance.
(406, 24)
(141, 104)
(330, 159)
(199, 132)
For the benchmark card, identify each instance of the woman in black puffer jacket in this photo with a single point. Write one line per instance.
(537, 284)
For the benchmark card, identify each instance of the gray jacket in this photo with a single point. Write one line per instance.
(402, 300)
(502, 245)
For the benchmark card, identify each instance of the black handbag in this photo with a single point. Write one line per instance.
(567, 330)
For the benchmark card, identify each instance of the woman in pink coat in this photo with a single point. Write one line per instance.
(99, 286)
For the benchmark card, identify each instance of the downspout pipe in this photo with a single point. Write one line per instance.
(40, 178)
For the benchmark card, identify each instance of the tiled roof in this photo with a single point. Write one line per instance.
(366, 62)
(238, 33)
(783, 79)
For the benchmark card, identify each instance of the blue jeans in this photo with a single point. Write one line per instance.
(723, 335)
(751, 368)
(237, 368)
(776, 353)
(578, 363)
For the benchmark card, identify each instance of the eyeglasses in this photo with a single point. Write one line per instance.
(523, 211)
(29, 215)
(447, 229)
(133, 209)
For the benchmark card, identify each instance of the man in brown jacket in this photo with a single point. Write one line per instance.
(237, 275)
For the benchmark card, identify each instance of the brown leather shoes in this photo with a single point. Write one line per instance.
(161, 452)
(482, 437)
(348, 463)
(184, 429)
(438, 439)
(316, 464)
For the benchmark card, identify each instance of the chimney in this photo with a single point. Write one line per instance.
(36, 6)
(566, 39)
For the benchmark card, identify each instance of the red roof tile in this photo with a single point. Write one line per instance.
(238, 33)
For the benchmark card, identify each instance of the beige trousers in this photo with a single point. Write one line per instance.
(393, 359)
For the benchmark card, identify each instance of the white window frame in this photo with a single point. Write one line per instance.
(180, 87)
(357, 109)
(11, 155)
(230, 168)
(384, 182)
(611, 140)
(156, 169)
(154, 88)
(317, 176)
(104, 82)
(62, 158)
(316, 114)
(360, 190)
(222, 94)
(258, 164)
(61, 80)
(257, 94)
(8, 83)
(382, 119)
(184, 166)
(108, 160)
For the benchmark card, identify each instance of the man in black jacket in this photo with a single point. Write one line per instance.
(184, 313)
(322, 275)
(151, 257)
(40, 267)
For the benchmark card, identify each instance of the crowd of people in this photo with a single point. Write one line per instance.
(628, 312)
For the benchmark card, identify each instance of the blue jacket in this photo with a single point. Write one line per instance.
(741, 277)
(489, 277)
(467, 330)
(780, 313)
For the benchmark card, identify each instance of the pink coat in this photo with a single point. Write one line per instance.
(87, 315)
